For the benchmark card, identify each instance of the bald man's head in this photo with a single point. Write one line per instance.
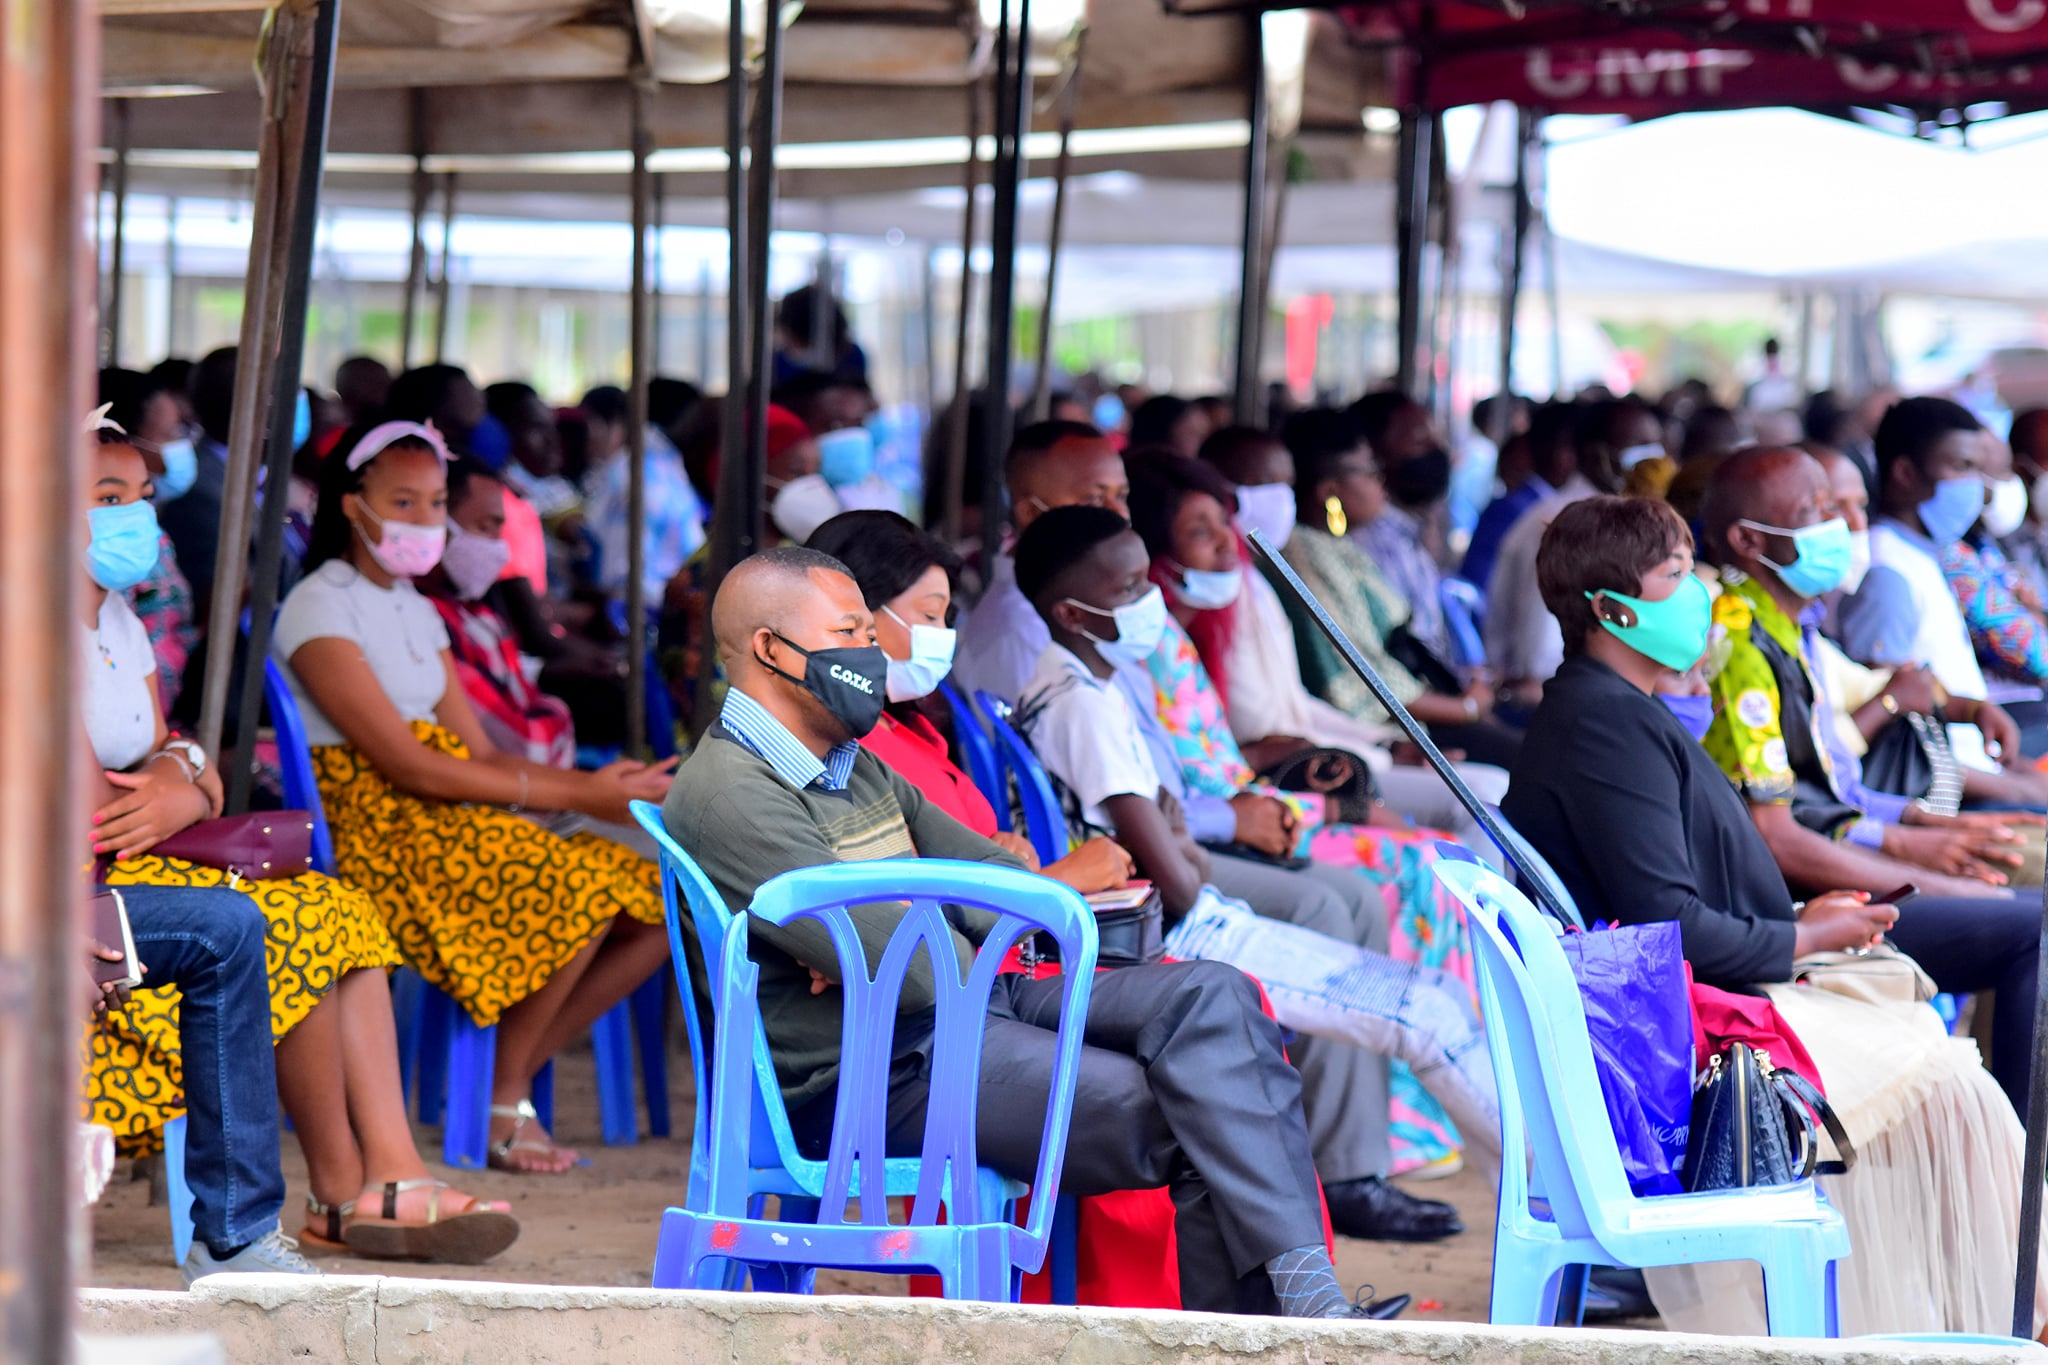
(1765, 486)
(775, 591)
(773, 612)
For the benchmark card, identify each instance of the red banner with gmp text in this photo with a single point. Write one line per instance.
(1648, 74)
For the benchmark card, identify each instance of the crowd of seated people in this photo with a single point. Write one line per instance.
(1839, 698)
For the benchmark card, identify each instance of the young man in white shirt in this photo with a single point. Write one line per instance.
(1085, 571)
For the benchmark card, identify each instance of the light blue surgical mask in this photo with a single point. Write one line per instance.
(846, 456)
(1207, 589)
(1695, 713)
(1108, 412)
(1140, 626)
(931, 659)
(1824, 554)
(124, 546)
(302, 420)
(1953, 510)
(181, 469)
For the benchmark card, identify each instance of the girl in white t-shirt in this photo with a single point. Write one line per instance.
(327, 947)
(533, 933)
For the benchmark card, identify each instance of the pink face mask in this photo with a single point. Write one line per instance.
(402, 549)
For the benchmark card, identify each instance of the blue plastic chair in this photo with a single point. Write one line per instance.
(1045, 821)
(697, 923)
(1464, 608)
(1526, 861)
(177, 1193)
(978, 1253)
(1577, 1208)
(980, 752)
(440, 1047)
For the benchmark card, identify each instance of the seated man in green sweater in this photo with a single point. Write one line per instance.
(1183, 1082)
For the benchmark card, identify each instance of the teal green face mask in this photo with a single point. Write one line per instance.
(1672, 632)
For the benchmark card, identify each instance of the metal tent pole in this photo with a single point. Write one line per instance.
(1511, 274)
(1070, 104)
(416, 263)
(767, 132)
(703, 321)
(1251, 298)
(49, 106)
(2034, 1163)
(291, 348)
(280, 138)
(1013, 123)
(824, 306)
(117, 265)
(636, 438)
(736, 512)
(171, 276)
(444, 280)
(955, 470)
(1411, 229)
(660, 267)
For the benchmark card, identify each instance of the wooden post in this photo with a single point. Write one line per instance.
(281, 135)
(317, 100)
(442, 282)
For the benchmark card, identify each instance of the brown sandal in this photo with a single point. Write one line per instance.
(328, 1238)
(468, 1238)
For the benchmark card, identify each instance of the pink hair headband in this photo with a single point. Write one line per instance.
(386, 434)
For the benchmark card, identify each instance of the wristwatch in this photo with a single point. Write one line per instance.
(193, 757)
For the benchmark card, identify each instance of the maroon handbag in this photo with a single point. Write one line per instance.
(260, 846)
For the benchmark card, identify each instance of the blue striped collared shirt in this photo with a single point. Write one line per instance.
(769, 738)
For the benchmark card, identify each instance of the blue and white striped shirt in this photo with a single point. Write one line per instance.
(771, 740)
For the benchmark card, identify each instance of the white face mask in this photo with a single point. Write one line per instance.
(1859, 560)
(802, 506)
(1267, 507)
(931, 659)
(1140, 626)
(2006, 510)
(1207, 589)
(473, 562)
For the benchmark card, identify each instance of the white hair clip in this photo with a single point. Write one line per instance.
(97, 420)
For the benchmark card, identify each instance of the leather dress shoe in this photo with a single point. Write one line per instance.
(1376, 1210)
(1379, 1310)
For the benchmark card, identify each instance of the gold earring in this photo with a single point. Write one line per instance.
(1333, 515)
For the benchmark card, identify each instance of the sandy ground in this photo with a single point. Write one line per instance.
(597, 1224)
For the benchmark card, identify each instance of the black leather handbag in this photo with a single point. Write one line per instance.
(1753, 1124)
(1128, 935)
(1130, 930)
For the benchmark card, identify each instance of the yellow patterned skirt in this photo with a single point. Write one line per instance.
(484, 904)
(319, 930)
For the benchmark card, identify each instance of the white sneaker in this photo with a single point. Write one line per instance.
(271, 1254)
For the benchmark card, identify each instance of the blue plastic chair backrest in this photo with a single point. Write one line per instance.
(1464, 608)
(698, 917)
(1022, 902)
(980, 752)
(295, 761)
(1044, 820)
(1536, 1020)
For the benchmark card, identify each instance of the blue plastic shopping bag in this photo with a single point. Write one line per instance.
(1639, 1013)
